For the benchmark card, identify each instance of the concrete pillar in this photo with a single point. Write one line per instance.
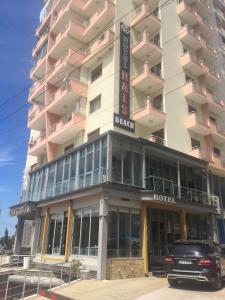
(183, 225)
(69, 230)
(45, 234)
(213, 234)
(102, 239)
(144, 235)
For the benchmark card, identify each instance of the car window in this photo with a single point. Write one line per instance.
(189, 249)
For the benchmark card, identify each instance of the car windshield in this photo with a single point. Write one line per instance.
(189, 250)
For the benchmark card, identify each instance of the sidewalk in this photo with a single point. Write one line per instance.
(125, 289)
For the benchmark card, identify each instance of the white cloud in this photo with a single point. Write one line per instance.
(6, 158)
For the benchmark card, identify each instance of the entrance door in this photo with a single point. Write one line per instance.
(163, 229)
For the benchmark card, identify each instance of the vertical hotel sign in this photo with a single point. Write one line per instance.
(122, 119)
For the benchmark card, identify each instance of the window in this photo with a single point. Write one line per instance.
(68, 148)
(85, 232)
(195, 144)
(191, 109)
(93, 135)
(96, 73)
(216, 151)
(124, 232)
(95, 104)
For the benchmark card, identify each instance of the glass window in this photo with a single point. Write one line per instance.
(85, 232)
(135, 233)
(65, 188)
(127, 163)
(124, 232)
(113, 234)
(73, 171)
(50, 184)
(58, 183)
(41, 230)
(81, 168)
(94, 233)
(95, 104)
(116, 161)
(96, 73)
(137, 167)
(57, 236)
(89, 165)
(76, 232)
(96, 162)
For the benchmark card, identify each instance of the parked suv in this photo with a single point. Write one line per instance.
(198, 261)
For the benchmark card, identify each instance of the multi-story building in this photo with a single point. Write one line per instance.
(127, 133)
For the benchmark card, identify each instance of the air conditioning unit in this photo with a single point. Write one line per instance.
(216, 203)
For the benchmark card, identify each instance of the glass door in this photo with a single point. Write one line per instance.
(163, 229)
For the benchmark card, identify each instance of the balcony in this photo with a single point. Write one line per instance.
(69, 60)
(146, 19)
(193, 64)
(37, 146)
(38, 69)
(99, 21)
(217, 132)
(212, 78)
(97, 49)
(148, 79)
(36, 117)
(65, 95)
(199, 153)
(189, 15)
(67, 128)
(216, 105)
(156, 139)
(193, 40)
(151, 114)
(217, 164)
(203, 8)
(193, 92)
(147, 46)
(37, 91)
(40, 42)
(197, 126)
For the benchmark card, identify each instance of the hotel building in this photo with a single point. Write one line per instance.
(127, 144)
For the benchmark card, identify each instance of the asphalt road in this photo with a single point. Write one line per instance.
(184, 292)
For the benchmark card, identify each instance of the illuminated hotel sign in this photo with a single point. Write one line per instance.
(122, 119)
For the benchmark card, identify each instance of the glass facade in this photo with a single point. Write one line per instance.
(74, 171)
(88, 166)
(85, 232)
(124, 232)
(127, 161)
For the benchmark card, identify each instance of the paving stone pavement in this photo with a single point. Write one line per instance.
(185, 292)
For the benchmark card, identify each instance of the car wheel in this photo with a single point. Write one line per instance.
(217, 282)
(172, 282)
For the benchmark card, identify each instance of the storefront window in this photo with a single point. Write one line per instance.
(124, 232)
(85, 232)
(73, 171)
(40, 239)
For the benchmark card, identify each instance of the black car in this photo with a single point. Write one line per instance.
(198, 261)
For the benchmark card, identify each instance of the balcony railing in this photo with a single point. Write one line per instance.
(35, 141)
(168, 187)
(155, 70)
(34, 111)
(156, 139)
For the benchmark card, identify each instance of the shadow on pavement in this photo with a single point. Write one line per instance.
(197, 287)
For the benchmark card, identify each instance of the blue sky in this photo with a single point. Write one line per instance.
(18, 21)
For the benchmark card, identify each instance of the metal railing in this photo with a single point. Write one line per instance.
(168, 187)
(30, 282)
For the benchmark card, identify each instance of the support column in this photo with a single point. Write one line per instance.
(69, 230)
(178, 179)
(45, 233)
(183, 225)
(213, 233)
(18, 237)
(144, 234)
(102, 239)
